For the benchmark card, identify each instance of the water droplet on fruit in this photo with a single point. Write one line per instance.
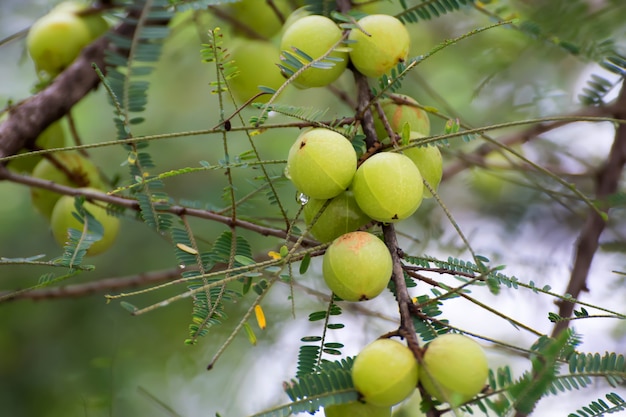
(302, 198)
(286, 171)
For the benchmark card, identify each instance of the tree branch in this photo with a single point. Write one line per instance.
(103, 285)
(459, 165)
(32, 116)
(607, 182)
(132, 204)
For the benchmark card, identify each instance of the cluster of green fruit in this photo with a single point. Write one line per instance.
(453, 369)
(73, 170)
(378, 44)
(56, 39)
(387, 187)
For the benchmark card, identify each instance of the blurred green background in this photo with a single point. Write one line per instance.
(84, 357)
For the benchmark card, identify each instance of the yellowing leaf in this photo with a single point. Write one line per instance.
(274, 255)
(260, 317)
(186, 248)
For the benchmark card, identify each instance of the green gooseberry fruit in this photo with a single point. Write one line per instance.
(321, 163)
(454, 369)
(367, 6)
(399, 114)
(356, 409)
(384, 44)
(410, 407)
(342, 215)
(259, 16)
(96, 24)
(429, 161)
(52, 137)
(82, 173)
(55, 40)
(62, 219)
(315, 35)
(256, 62)
(295, 15)
(357, 266)
(388, 187)
(385, 372)
(497, 180)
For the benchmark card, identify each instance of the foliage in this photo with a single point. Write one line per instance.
(235, 232)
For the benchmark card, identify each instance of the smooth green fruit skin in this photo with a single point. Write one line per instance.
(387, 46)
(52, 137)
(96, 24)
(357, 266)
(385, 372)
(259, 16)
(388, 187)
(429, 161)
(315, 35)
(294, 16)
(356, 409)
(321, 163)
(62, 219)
(342, 215)
(256, 62)
(85, 171)
(55, 40)
(458, 365)
(496, 182)
(399, 114)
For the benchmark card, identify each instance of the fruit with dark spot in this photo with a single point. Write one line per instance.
(388, 187)
(321, 163)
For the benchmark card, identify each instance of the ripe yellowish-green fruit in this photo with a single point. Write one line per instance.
(496, 181)
(315, 35)
(259, 16)
(429, 161)
(400, 114)
(342, 215)
(367, 6)
(295, 15)
(384, 44)
(321, 163)
(55, 40)
(356, 409)
(62, 219)
(96, 24)
(385, 372)
(52, 137)
(410, 407)
(454, 369)
(388, 187)
(357, 266)
(83, 173)
(256, 62)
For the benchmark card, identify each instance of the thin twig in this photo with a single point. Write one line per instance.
(100, 286)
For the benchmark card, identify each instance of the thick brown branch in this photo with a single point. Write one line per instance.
(607, 182)
(29, 118)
